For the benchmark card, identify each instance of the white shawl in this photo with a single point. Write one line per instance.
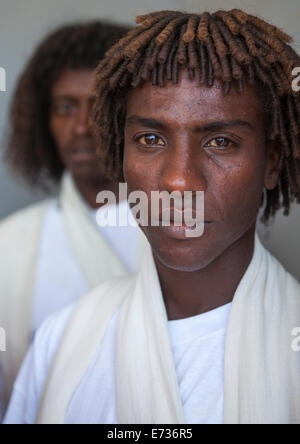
(262, 372)
(19, 246)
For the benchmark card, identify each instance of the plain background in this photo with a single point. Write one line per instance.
(24, 22)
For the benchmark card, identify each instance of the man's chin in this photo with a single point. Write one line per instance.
(183, 258)
(86, 171)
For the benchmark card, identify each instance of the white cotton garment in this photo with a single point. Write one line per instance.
(59, 278)
(198, 345)
(264, 312)
(60, 254)
(123, 239)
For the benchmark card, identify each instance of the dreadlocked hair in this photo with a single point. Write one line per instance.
(30, 149)
(231, 46)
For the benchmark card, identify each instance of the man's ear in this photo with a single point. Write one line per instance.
(272, 171)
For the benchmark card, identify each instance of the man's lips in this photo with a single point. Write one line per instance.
(181, 232)
(185, 217)
(176, 223)
(82, 155)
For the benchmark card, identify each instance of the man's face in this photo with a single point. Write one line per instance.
(71, 103)
(188, 137)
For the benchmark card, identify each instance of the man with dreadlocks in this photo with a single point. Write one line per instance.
(56, 247)
(187, 102)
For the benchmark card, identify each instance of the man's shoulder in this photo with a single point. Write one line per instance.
(116, 288)
(80, 314)
(18, 235)
(24, 216)
(86, 318)
(292, 290)
(49, 334)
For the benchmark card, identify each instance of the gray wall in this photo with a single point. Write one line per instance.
(24, 22)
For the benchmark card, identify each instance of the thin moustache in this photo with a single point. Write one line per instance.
(169, 215)
(82, 144)
(82, 149)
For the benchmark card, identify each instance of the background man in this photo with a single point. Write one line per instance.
(53, 253)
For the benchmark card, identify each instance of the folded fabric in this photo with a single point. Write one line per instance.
(262, 372)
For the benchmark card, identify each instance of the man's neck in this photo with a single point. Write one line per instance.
(188, 294)
(90, 189)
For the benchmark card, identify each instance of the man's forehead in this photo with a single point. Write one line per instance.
(188, 100)
(73, 82)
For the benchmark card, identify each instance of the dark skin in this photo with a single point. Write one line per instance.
(188, 137)
(71, 103)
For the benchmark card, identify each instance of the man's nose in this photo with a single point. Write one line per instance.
(182, 171)
(82, 122)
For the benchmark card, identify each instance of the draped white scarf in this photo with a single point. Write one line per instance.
(262, 372)
(19, 245)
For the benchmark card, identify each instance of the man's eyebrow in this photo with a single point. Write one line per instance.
(64, 97)
(144, 121)
(225, 124)
(211, 126)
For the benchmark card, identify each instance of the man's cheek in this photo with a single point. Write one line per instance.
(225, 163)
(134, 176)
(246, 200)
(61, 136)
(234, 195)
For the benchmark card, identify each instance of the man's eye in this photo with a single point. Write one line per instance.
(64, 109)
(151, 139)
(220, 142)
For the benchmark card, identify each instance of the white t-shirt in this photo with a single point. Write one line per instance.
(198, 345)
